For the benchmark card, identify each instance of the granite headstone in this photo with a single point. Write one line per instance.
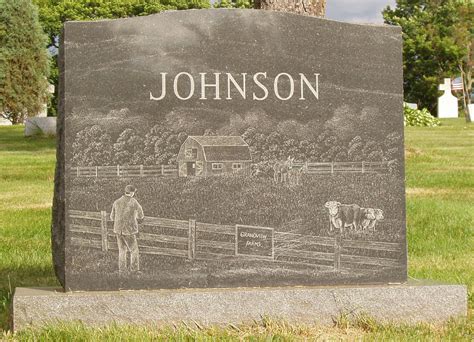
(229, 148)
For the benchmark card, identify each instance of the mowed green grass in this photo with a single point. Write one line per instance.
(26, 187)
(440, 213)
(440, 203)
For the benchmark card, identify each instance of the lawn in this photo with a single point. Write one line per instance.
(440, 214)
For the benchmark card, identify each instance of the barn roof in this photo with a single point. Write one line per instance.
(222, 148)
(213, 140)
(226, 153)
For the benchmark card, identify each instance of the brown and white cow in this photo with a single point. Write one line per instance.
(367, 216)
(370, 221)
(343, 215)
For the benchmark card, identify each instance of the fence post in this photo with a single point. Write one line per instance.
(162, 169)
(141, 170)
(118, 170)
(363, 169)
(191, 239)
(236, 240)
(337, 251)
(77, 171)
(96, 172)
(332, 167)
(103, 231)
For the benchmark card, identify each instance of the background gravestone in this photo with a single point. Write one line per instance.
(288, 172)
(447, 102)
(41, 123)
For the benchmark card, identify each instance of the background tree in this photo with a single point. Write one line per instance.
(233, 4)
(24, 61)
(464, 34)
(436, 36)
(53, 13)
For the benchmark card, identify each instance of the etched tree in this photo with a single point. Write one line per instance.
(151, 139)
(129, 148)
(355, 150)
(372, 151)
(391, 143)
(92, 146)
(314, 151)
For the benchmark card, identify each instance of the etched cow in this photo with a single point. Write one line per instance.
(343, 215)
(370, 220)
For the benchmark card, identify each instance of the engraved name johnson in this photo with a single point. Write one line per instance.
(258, 87)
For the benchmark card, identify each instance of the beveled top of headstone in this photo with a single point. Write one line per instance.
(229, 148)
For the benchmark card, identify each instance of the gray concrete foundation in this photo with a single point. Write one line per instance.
(408, 303)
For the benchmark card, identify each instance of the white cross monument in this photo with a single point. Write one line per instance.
(447, 103)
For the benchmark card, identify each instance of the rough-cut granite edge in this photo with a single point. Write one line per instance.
(58, 220)
(411, 303)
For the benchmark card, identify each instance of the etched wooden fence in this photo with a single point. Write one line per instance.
(125, 171)
(213, 241)
(205, 241)
(172, 170)
(305, 249)
(157, 235)
(346, 167)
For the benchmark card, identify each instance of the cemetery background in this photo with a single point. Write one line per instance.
(439, 231)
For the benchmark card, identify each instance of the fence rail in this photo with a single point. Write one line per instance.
(347, 167)
(206, 241)
(125, 171)
(172, 170)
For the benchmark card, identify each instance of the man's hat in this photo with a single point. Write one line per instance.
(130, 189)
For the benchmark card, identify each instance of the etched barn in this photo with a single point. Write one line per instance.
(213, 155)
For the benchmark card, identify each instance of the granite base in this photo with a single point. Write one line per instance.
(410, 303)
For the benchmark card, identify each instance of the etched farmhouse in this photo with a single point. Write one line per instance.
(213, 155)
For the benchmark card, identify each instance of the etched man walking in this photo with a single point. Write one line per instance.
(126, 212)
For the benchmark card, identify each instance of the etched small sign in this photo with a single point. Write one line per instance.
(254, 241)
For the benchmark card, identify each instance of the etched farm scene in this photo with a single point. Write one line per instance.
(251, 196)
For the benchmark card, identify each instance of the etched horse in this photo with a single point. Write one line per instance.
(281, 170)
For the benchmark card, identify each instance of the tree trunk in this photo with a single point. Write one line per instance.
(466, 77)
(308, 7)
